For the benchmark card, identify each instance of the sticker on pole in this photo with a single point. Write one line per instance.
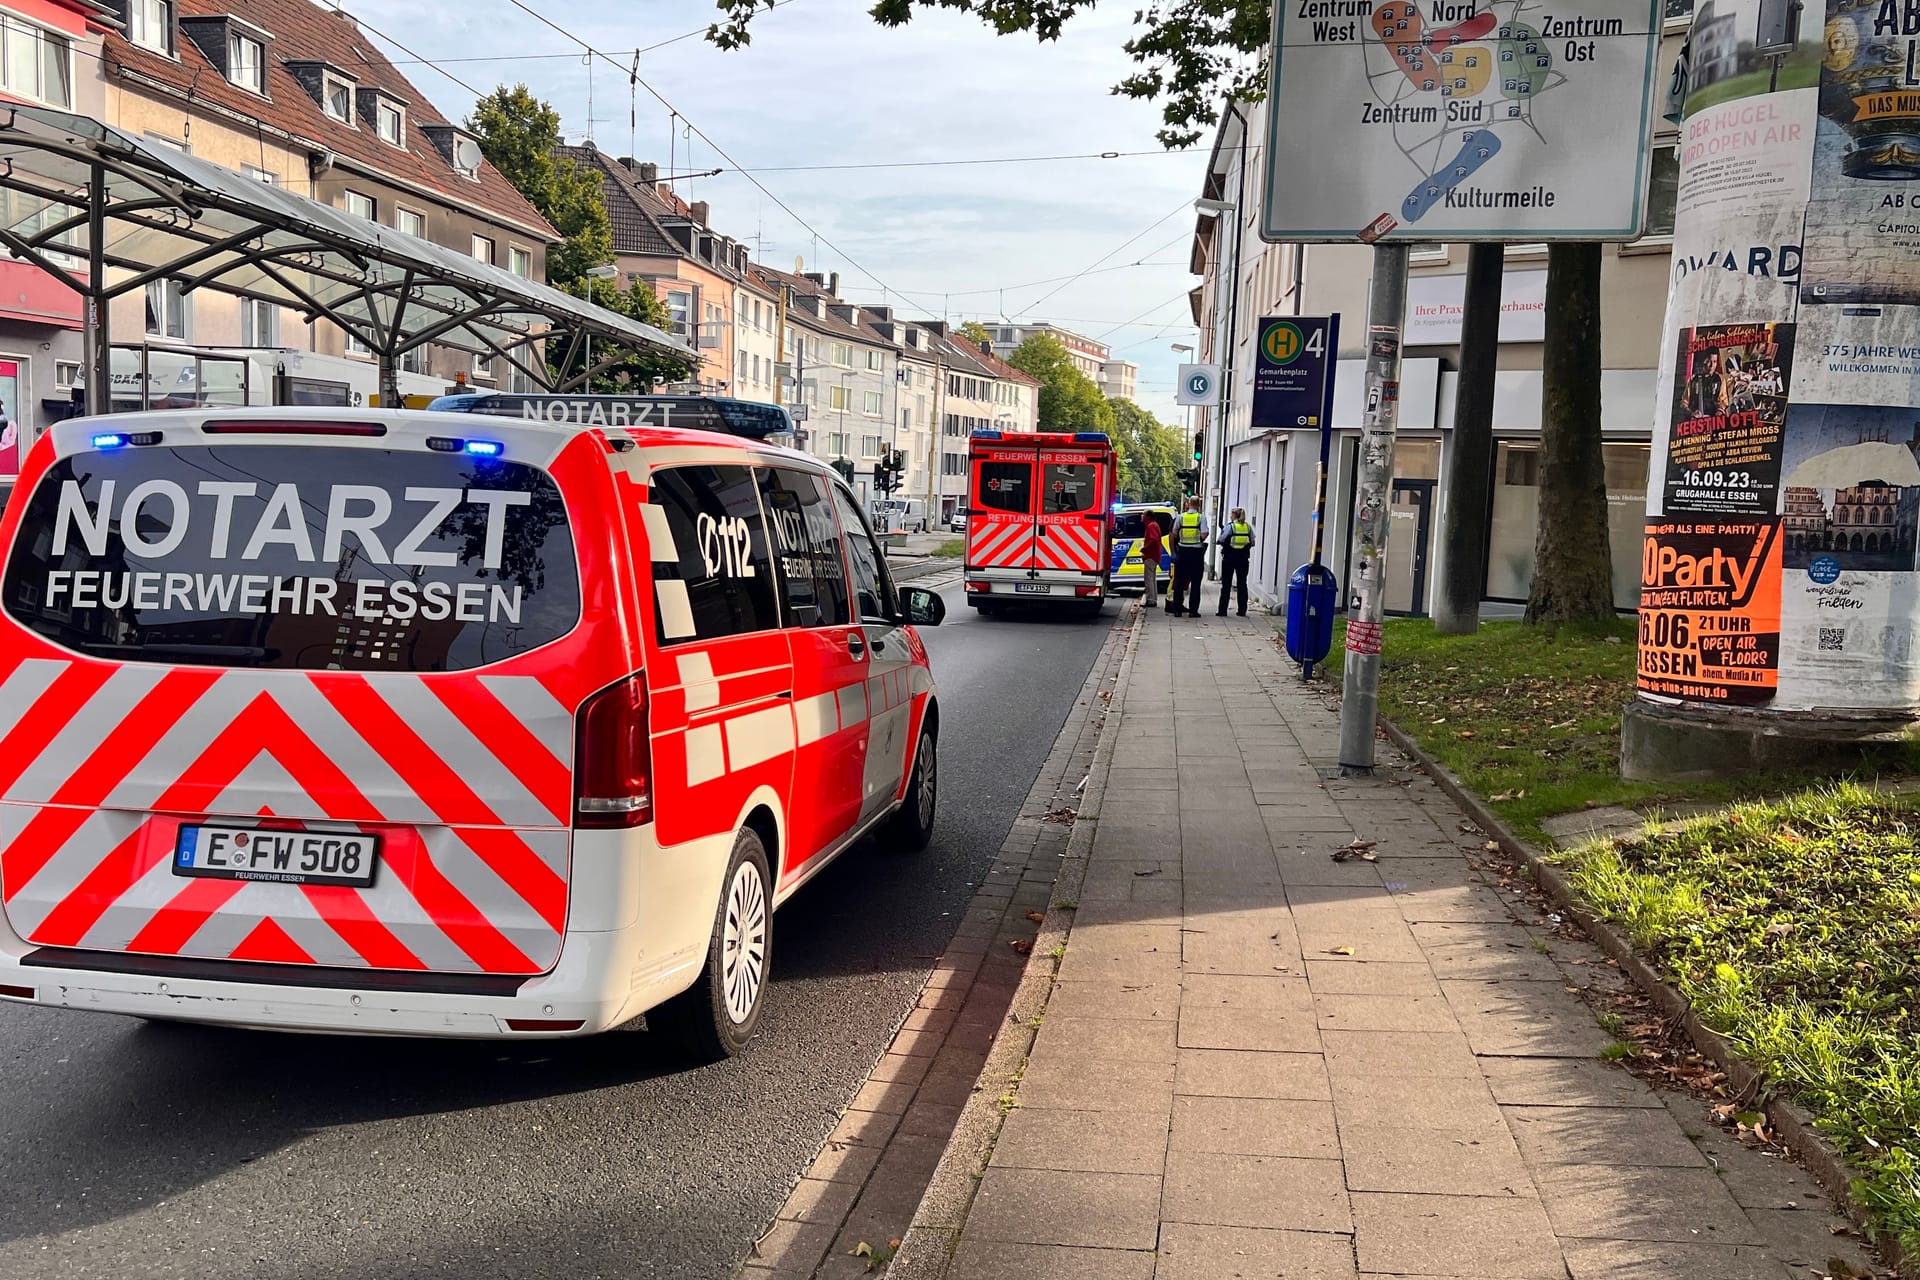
(1363, 637)
(1502, 120)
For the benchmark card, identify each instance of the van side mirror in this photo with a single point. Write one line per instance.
(923, 608)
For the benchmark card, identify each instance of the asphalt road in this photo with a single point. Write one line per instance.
(130, 1150)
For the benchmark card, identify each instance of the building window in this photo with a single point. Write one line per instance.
(873, 360)
(247, 63)
(870, 446)
(679, 313)
(37, 64)
(168, 310)
(66, 373)
(150, 24)
(483, 250)
(837, 397)
(413, 224)
(336, 99)
(871, 405)
(1663, 188)
(414, 360)
(362, 206)
(389, 122)
(841, 354)
(259, 323)
(267, 176)
(520, 262)
(906, 419)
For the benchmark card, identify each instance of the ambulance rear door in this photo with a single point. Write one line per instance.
(1000, 532)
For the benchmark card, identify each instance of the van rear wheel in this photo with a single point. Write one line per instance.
(910, 829)
(717, 1015)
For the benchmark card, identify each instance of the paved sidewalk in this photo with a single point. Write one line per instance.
(1258, 1062)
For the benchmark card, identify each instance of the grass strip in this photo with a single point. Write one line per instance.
(1529, 718)
(1793, 928)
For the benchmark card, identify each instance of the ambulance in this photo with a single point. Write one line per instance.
(1129, 529)
(1038, 529)
(439, 725)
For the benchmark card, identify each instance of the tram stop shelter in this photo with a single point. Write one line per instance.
(106, 214)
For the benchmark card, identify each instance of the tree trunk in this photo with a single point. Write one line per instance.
(1463, 535)
(1572, 559)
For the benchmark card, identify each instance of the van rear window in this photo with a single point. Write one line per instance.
(292, 556)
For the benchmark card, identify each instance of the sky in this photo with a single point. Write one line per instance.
(823, 84)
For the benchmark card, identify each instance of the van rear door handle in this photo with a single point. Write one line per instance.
(855, 645)
(784, 693)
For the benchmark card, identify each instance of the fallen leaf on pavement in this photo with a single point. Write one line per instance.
(1361, 849)
(1154, 871)
(1023, 945)
(1065, 813)
(1339, 951)
(1037, 917)
(1491, 846)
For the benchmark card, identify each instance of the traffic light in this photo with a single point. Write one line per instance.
(890, 470)
(1189, 479)
(845, 469)
(1199, 447)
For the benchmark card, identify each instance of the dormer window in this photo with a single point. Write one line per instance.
(390, 122)
(336, 99)
(150, 24)
(247, 63)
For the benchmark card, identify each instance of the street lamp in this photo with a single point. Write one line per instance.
(606, 272)
(1220, 208)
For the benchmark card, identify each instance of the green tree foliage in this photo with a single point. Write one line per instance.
(520, 135)
(1191, 55)
(1150, 452)
(1068, 399)
(975, 332)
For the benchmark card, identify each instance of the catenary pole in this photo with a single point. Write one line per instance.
(1463, 531)
(1366, 589)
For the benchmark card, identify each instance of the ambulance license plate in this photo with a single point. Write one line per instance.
(281, 857)
(1032, 589)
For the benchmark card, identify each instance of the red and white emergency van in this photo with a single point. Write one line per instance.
(417, 723)
(1038, 526)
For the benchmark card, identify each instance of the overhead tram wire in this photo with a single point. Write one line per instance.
(1185, 203)
(718, 149)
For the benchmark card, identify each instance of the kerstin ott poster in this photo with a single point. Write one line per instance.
(1729, 406)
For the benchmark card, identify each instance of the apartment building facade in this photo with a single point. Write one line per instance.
(51, 58)
(1088, 356)
(1271, 469)
(1119, 379)
(665, 241)
(291, 94)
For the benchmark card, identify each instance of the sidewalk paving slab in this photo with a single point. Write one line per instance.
(1258, 1062)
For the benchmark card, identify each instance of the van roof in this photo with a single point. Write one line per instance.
(532, 440)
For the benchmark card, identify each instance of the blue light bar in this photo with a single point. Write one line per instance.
(485, 448)
(109, 440)
(1091, 437)
(981, 433)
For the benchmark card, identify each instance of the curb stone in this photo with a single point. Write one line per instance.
(926, 1251)
(1796, 1125)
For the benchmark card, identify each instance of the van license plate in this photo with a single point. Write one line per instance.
(1032, 589)
(282, 857)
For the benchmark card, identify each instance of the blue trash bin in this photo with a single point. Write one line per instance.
(1312, 593)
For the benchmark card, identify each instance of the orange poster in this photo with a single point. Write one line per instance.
(1710, 610)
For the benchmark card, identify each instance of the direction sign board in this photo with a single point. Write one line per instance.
(1290, 371)
(1199, 384)
(1459, 119)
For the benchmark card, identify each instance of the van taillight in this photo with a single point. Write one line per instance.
(613, 766)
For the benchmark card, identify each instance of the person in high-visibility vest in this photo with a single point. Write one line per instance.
(1236, 550)
(1189, 560)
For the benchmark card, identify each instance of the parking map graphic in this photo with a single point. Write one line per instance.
(1459, 119)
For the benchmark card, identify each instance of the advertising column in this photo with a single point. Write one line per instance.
(1779, 567)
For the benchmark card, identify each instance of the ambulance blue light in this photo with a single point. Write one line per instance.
(981, 433)
(1091, 437)
(485, 448)
(109, 440)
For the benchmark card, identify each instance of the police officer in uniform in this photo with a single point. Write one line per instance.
(1189, 560)
(1236, 549)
